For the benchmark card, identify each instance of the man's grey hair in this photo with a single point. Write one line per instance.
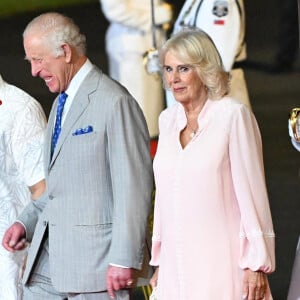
(56, 29)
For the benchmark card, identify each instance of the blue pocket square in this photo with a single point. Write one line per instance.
(85, 130)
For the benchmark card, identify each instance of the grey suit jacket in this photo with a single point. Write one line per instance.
(99, 188)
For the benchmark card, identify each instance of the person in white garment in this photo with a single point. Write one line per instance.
(294, 288)
(128, 38)
(224, 22)
(21, 173)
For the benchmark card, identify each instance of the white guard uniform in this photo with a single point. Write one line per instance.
(224, 22)
(293, 140)
(21, 135)
(294, 288)
(128, 37)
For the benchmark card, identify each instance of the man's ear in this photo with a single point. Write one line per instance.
(67, 52)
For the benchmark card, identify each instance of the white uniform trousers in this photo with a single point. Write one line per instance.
(294, 290)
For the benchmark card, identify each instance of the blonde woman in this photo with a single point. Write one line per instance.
(213, 236)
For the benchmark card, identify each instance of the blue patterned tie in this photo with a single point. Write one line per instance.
(57, 128)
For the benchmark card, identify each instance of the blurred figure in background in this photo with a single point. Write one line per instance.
(128, 37)
(294, 289)
(21, 173)
(224, 22)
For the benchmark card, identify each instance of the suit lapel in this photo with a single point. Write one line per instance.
(48, 137)
(79, 105)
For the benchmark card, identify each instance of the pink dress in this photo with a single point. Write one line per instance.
(212, 217)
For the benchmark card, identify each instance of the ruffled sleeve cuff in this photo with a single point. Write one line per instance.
(258, 251)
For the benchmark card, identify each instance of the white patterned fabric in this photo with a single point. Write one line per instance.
(21, 136)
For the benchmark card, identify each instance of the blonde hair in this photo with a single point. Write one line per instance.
(56, 29)
(196, 48)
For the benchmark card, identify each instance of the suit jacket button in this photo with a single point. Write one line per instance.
(51, 197)
(45, 223)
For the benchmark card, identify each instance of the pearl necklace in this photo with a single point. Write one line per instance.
(190, 127)
(194, 131)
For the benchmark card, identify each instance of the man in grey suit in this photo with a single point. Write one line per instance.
(87, 232)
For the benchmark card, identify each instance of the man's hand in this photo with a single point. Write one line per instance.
(254, 285)
(14, 238)
(118, 278)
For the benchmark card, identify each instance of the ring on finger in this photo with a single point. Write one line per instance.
(129, 282)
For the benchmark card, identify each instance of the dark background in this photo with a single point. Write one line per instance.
(272, 96)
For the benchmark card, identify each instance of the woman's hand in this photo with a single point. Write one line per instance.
(153, 280)
(254, 285)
